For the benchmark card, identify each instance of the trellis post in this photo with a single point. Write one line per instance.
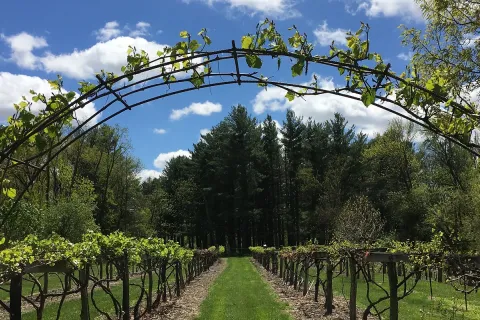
(163, 274)
(292, 272)
(353, 288)
(126, 288)
(177, 278)
(317, 279)
(68, 281)
(182, 280)
(83, 276)
(16, 297)
(393, 282)
(45, 282)
(305, 276)
(295, 280)
(329, 289)
(281, 267)
(150, 284)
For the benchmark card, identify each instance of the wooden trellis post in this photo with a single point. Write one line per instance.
(281, 267)
(182, 280)
(295, 280)
(305, 276)
(353, 288)
(275, 263)
(83, 275)
(329, 289)
(16, 297)
(347, 269)
(177, 278)
(45, 282)
(163, 275)
(125, 288)
(384, 270)
(317, 278)
(150, 284)
(68, 282)
(393, 282)
(292, 272)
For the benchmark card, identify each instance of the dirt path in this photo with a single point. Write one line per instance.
(304, 308)
(188, 305)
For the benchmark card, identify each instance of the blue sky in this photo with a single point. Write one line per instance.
(39, 40)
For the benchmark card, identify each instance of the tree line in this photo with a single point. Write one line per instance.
(253, 183)
(250, 182)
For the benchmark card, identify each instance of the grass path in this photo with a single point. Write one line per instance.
(240, 293)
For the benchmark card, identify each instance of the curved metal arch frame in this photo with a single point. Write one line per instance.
(117, 87)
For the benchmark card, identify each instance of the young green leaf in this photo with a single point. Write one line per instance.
(10, 192)
(290, 95)
(297, 68)
(194, 45)
(254, 61)
(246, 42)
(368, 96)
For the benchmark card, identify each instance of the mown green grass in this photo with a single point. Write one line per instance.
(240, 293)
(446, 303)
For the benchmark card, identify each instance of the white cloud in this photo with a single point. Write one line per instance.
(159, 131)
(14, 86)
(470, 40)
(163, 158)
(408, 9)
(110, 55)
(109, 31)
(405, 56)
(83, 64)
(21, 46)
(205, 131)
(279, 127)
(279, 133)
(201, 108)
(323, 107)
(141, 30)
(112, 30)
(325, 35)
(146, 174)
(279, 9)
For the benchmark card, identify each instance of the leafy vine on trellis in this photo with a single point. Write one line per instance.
(94, 247)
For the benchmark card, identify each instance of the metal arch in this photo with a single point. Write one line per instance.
(106, 88)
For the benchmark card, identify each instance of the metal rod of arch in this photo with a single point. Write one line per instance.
(233, 54)
(115, 87)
